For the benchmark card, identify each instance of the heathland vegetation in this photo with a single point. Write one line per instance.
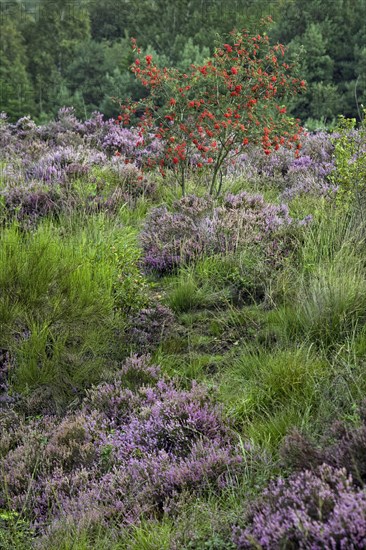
(183, 307)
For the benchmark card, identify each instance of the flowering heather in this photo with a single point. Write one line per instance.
(306, 173)
(309, 174)
(28, 204)
(10, 139)
(344, 446)
(310, 186)
(254, 163)
(173, 238)
(126, 141)
(317, 510)
(68, 130)
(68, 148)
(5, 367)
(127, 178)
(136, 444)
(56, 165)
(149, 326)
(196, 226)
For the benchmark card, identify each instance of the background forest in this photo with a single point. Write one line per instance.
(77, 52)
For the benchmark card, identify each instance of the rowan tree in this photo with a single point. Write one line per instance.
(210, 114)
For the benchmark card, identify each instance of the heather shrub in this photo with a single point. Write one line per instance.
(316, 160)
(320, 509)
(319, 146)
(307, 184)
(307, 173)
(136, 445)
(131, 180)
(25, 128)
(148, 327)
(244, 219)
(125, 142)
(5, 366)
(196, 227)
(5, 135)
(311, 172)
(342, 446)
(46, 184)
(254, 164)
(27, 204)
(173, 238)
(65, 165)
(66, 129)
(62, 297)
(60, 163)
(116, 176)
(10, 425)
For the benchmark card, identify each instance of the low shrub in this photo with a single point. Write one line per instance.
(137, 445)
(27, 204)
(196, 227)
(148, 327)
(320, 509)
(342, 446)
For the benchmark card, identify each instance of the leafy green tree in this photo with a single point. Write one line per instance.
(191, 53)
(110, 19)
(16, 92)
(52, 37)
(99, 73)
(166, 25)
(86, 73)
(57, 52)
(332, 33)
(321, 98)
(359, 88)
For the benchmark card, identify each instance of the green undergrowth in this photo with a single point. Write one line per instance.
(266, 393)
(321, 297)
(281, 352)
(65, 293)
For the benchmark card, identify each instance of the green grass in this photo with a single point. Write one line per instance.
(332, 303)
(323, 292)
(185, 295)
(64, 291)
(217, 281)
(268, 393)
(15, 533)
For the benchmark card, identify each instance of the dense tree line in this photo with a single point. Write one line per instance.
(77, 52)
